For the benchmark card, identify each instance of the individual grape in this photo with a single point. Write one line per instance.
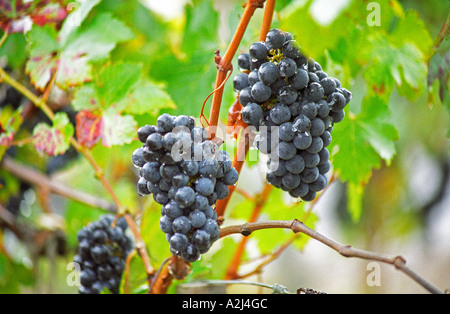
(309, 110)
(280, 114)
(328, 84)
(300, 191)
(300, 80)
(319, 184)
(260, 92)
(231, 177)
(145, 131)
(291, 181)
(326, 138)
(302, 123)
(287, 95)
(191, 254)
(185, 196)
(295, 109)
(184, 121)
(252, 114)
(244, 61)
(311, 160)
(296, 165)
(240, 81)
(154, 141)
(287, 67)
(151, 172)
(309, 175)
(316, 145)
(303, 140)
(310, 196)
(315, 92)
(337, 102)
(258, 51)
(165, 122)
(253, 77)
(201, 240)
(245, 96)
(178, 242)
(142, 187)
(275, 39)
(287, 150)
(221, 189)
(197, 219)
(268, 73)
(323, 109)
(138, 157)
(324, 168)
(278, 167)
(172, 210)
(337, 116)
(317, 127)
(204, 186)
(291, 48)
(181, 225)
(286, 132)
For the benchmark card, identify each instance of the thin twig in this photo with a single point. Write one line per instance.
(345, 250)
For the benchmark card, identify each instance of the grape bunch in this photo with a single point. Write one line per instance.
(102, 252)
(293, 104)
(186, 174)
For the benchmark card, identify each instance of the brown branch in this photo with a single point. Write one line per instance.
(237, 258)
(38, 179)
(267, 19)
(345, 250)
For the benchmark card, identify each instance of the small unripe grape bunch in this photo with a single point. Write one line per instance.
(102, 252)
(294, 105)
(187, 174)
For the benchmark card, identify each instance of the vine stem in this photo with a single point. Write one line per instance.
(99, 173)
(243, 146)
(345, 250)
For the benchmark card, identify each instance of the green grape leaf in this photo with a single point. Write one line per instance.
(355, 193)
(115, 81)
(190, 73)
(53, 140)
(146, 97)
(70, 57)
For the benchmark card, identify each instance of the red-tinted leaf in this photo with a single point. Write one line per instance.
(50, 14)
(20, 18)
(53, 140)
(89, 127)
